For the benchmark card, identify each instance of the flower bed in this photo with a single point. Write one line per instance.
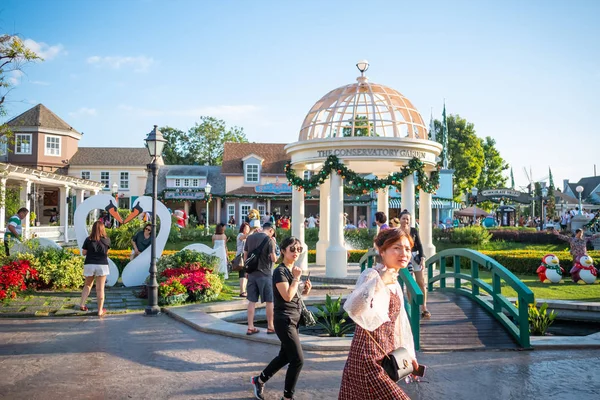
(15, 277)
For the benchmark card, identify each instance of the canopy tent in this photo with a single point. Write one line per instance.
(469, 212)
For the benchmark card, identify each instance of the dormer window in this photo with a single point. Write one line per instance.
(23, 143)
(177, 182)
(252, 173)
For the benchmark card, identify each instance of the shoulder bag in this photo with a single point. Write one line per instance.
(397, 363)
(237, 264)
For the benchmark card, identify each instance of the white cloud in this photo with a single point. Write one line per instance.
(227, 112)
(83, 112)
(139, 64)
(14, 77)
(44, 50)
(42, 83)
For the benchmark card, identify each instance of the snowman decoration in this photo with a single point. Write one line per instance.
(550, 270)
(584, 272)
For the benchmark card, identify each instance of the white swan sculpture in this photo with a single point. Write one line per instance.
(137, 270)
(99, 201)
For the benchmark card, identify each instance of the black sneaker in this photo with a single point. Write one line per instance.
(258, 387)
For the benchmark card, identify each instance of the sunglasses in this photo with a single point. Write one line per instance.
(297, 249)
(148, 229)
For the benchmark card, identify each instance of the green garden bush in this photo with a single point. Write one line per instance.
(57, 268)
(184, 257)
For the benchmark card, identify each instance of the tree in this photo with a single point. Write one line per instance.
(175, 151)
(362, 127)
(493, 165)
(13, 56)
(206, 140)
(465, 152)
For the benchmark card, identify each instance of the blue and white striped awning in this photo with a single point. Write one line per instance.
(435, 203)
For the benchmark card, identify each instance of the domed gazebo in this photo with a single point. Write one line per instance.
(370, 129)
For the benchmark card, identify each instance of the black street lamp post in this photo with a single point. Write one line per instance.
(155, 143)
(542, 202)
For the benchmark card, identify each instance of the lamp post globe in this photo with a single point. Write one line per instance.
(579, 189)
(207, 189)
(155, 142)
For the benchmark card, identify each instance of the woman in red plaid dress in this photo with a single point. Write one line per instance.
(377, 305)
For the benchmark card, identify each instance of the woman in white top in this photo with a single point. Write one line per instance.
(240, 242)
(219, 240)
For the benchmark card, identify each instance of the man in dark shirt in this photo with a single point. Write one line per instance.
(260, 282)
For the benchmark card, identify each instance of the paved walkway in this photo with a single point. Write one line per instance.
(135, 357)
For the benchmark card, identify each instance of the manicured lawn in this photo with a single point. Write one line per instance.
(564, 291)
(439, 246)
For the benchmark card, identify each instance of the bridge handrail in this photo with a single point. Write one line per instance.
(499, 302)
(415, 296)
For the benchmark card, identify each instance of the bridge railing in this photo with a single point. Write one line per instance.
(415, 296)
(497, 305)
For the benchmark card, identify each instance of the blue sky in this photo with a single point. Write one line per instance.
(526, 73)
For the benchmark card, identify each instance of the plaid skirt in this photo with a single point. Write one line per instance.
(364, 378)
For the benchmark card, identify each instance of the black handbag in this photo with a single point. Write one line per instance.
(307, 318)
(397, 363)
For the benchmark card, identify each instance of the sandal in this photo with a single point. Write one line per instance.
(83, 308)
(252, 331)
(244, 294)
(100, 315)
(425, 314)
(271, 331)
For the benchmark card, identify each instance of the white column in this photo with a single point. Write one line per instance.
(355, 220)
(218, 211)
(383, 203)
(336, 262)
(24, 198)
(298, 221)
(78, 197)
(323, 242)
(95, 211)
(425, 223)
(3, 203)
(63, 209)
(408, 196)
(269, 206)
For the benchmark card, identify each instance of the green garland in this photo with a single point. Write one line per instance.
(357, 183)
(593, 220)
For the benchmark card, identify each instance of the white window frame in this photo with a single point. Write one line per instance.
(121, 187)
(244, 207)
(89, 173)
(177, 182)
(20, 136)
(230, 211)
(195, 182)
(307, 174)
(247, 173)
(186, 182)
(50, 151)
(107, 184)
(262, 209)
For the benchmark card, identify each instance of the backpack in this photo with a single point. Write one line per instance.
(251, 263)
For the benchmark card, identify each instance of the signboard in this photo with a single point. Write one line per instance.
(501, 193)
(274, 188)
(391, 153)
(507, 194)
(197, 195)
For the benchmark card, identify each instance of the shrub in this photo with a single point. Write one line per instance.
(524, 235)
(360, 238)
(120, 238)
(470, 235)
(172, 287)
(214, 290)
(539, 319)
(334, 317)
(185, 257)
(57, 268)
(15, 277)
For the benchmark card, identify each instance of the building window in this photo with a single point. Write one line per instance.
(230, 211)
(262, 209)
(252, 173)
(3, 146)
(177, 182)
(86, 175)
(52, 145)
(244, 210)
(105, 179)
(195, 183)
(307, 174)
(124, 181)
(186, 183)
(22, 143)
(124, 202)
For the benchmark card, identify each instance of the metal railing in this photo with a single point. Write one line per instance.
(415, 296)
(517, 320)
